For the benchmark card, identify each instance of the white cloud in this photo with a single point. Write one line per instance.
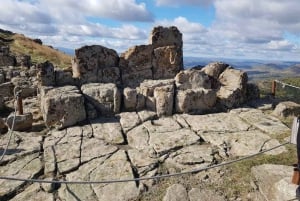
(121, 10)
(280, 45)
(185, 2)
(191, 31)
(258, 20)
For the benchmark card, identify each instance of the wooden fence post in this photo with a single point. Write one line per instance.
(273, 88)
(20, 105)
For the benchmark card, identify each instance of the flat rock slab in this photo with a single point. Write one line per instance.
(34, 193)
(243, 143)
(142, 161)
(114, 168)
(165, 142)
(62, 149)
(266, 123)
(162, 136)
(191, 158)
(28, 167)
(129, 120)
(108, 129)
(274, 181)
(221, 122)
(176, 192)
(67, 149)
(21, 144)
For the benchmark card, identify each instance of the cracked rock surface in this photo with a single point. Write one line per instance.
(129, 146)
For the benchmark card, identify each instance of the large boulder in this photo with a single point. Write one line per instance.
(287, 108)
(274, 181)
(136, 65)
(106, 98)
(46, 74)
(165, 36)
(167, 62)
(214, 69)
(90, 61)
(233, 90)
(192, 79)
(63, 106)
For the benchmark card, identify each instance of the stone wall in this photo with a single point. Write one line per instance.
(145, 77)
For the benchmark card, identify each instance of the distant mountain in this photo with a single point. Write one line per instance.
(294, 69)
(68, 51)
(255, 68)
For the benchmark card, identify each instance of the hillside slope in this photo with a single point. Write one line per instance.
(20, 45)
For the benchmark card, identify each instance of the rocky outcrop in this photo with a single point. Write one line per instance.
(62, 106)
(145, 77)
(132, 145)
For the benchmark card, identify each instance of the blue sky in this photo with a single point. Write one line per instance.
(244, 29)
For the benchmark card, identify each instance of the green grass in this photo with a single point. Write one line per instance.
(283, 93)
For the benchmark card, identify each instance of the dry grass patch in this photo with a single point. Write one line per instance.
(39, 53)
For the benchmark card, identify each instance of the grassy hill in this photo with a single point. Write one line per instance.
(20, 45)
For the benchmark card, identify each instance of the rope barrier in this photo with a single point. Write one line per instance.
(141, 178)
(285, 84)
(11, 130)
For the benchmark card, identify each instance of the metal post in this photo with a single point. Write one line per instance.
(273, 88)
(20, 105)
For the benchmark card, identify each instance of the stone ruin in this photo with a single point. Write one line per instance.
(145, 77)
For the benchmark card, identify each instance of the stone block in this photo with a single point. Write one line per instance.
(165, 36)
(63, 106)
(46, 74)
(89, 60)
(167, 62)
(196, 101)
(63, 78)
(106, 98)
(136, 65)
(20, 122)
